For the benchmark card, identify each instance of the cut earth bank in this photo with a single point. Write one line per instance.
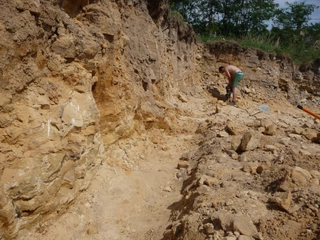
(195, 185)
(112, 128)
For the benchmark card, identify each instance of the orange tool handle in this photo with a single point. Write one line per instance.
(308, 111)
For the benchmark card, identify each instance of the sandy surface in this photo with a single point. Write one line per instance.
(138, 181)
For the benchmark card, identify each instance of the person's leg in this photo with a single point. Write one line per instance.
(234, 94)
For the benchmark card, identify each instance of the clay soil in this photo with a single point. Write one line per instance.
(138, 185)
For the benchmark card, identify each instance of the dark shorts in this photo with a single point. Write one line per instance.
(237, 78)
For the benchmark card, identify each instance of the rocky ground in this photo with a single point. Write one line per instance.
(228, 173)
(121, 96)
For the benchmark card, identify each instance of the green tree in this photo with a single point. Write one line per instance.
(295, 16)
(226, 17)
(246, 22)
(291, 24)
(313, 33)
(243, 16)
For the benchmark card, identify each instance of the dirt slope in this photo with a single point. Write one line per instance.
(135, 186)
(139, 193)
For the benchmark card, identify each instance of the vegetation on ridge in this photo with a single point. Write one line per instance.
(256, 24)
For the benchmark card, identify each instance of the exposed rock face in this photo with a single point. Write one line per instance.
(61, 61)
(77, 76)
(50, 139)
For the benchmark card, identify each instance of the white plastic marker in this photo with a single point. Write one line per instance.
(49, 121)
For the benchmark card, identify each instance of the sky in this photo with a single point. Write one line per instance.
(315, 16)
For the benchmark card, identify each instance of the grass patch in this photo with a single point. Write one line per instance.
(301, 54)
(265, 43)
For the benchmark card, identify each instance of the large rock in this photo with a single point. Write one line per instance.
(295, 179)
(238, 223)
(249, 141)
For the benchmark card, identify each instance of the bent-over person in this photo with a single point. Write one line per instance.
(234, 75)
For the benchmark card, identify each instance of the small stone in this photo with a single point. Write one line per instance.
(271, 130)
(229, 202)
(167, 189)
(183, 164)
(244, 237)
(300, 176)
(208, 228)
(317, 140)
(244, 225)
(285, 201)
(262, 168)
(92, 230)
(222, 134)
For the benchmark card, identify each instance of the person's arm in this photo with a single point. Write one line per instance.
(228, 76)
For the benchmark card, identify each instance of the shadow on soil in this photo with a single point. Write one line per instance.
(216, 93)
